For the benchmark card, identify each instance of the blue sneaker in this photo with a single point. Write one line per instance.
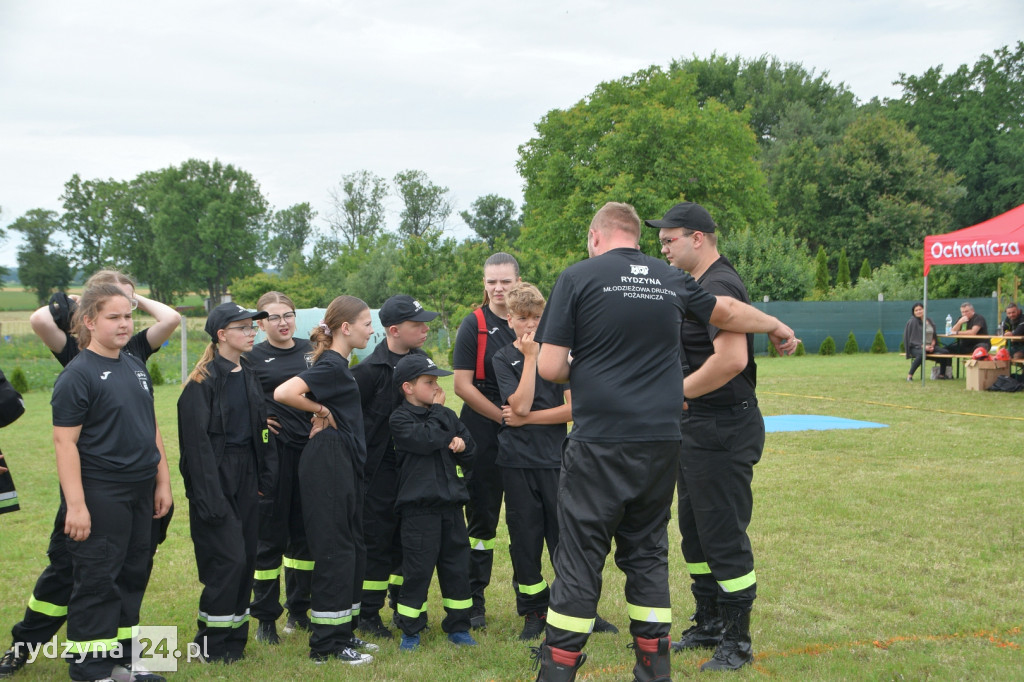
(410, 642)
(462, 638)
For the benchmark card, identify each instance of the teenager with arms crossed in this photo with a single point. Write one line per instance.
(330, 479)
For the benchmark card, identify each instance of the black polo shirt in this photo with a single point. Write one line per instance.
(332, 384)
(499, 334)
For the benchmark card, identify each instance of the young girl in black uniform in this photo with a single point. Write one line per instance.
(113, 479)
(330, 479)
(282, 536)
(481, 413)
(225, 463)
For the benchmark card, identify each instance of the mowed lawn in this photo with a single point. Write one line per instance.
(882, 554)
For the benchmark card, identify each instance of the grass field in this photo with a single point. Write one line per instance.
(882, 554)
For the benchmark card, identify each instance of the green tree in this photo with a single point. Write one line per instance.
(441, 273)
(881, 192)
(291, 228)
(851, 347)
(357, 212)
(843, 271)
(973, 118)
(40, 268)
(88, 222)
(878, 345)
(771, 263)
(767, 89)
(827, 347)
(492, 218)
(207, 220)
(425, 206)
(643, 139)
(865, 270)
(822, 278)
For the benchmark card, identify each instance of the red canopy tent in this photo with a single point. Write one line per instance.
(997, 240)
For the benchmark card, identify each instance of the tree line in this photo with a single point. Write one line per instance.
(817, 195)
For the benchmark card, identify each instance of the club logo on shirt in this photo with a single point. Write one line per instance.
(270, 359)
(516, 362)
(309, 359)
(143, 379)
(638, 269)
(103, 377)
(493, 330)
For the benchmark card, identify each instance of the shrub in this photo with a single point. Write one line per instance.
(19, 382)
(878, 345)
(155, 374)
(851, 347)
(828, 346)
(773, 352)
(800, 350)
(354, 361)
(903, 349)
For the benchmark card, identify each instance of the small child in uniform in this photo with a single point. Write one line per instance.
(431, 447)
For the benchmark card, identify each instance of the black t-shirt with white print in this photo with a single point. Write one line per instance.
(112, 400)
(532, 446)
(620, 315)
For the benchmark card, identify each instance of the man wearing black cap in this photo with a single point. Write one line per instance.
(723, 436)
(620, 314)
(405, 326)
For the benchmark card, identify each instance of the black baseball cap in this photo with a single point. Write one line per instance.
(687, 215)
(401, 308)
(414, 365)
(226, 313)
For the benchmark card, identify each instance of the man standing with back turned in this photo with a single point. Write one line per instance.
(723, 436)
(620, 314)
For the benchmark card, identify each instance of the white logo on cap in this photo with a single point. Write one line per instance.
(241, 309)
(638, 269)
(430, 363)
(416, 304)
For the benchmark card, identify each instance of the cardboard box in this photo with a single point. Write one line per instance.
(983, 373)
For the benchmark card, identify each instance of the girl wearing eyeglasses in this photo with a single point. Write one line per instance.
(282, 542)
(227, 464)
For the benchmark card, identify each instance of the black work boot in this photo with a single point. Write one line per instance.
(558, 665)
(734, 651)
(653, 660)
(533, 626)
(706, 631)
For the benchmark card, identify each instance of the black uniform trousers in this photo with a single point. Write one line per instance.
(531, 503)
(721, 445)
(484, 506)
(225, 556)
(48, 604)
(621, 491)
(282, 544)
(382, 536)
(331, 485)
(110, 570)
(434, 537)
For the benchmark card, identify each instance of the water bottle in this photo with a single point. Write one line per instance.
(949, 324)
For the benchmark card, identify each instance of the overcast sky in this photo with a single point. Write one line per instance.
(298, 93)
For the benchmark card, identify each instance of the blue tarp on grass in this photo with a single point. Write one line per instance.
(815, 422)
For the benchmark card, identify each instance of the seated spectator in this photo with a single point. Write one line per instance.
(1013, 325)
(912, 337)
(969, 323)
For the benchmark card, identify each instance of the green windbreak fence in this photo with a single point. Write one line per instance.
(815, 320)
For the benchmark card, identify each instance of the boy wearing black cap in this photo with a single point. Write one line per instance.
(405, 326)
(432, 446)
(226, 465)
